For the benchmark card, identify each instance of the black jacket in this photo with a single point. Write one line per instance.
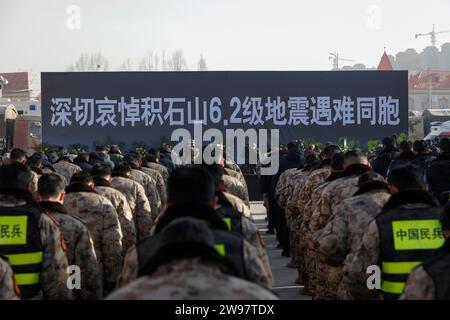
(438, 175)
(404, 159)
(83, 164)
(381, 163)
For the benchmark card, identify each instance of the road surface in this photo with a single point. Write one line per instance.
(284, 277)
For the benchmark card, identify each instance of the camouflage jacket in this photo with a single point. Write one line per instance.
(341, 237)
(255, 264)
(101, 219)
(189, 279)
(281, 189)
(8, 288)
(238, 205)
(120, 203)
(150, 189)
(294, 184)
(315, 179)
(236, 174)
(53, 277)
(235, 187)
(161, 169)
(35, 182)
(334, 193)
(419, 286)
(66, 169)
(160, 185)
(368, 254)
(80, 250)
(139, 205)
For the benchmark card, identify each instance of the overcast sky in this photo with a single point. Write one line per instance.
(231, 34)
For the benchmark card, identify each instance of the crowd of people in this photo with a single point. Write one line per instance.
(102, 225)
(107, 225)
(364, 225)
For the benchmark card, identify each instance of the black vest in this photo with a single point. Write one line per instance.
(438, 268)
(407, 238)
(227, 244)
(231, 217)
(20, 243)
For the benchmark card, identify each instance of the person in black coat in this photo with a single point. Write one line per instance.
(82, 160)
(293, 159)
(423, 156)
(381, 163)
(438, 173)
(405, 157)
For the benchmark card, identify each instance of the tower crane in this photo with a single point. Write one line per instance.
(334, 57)
(432, 35)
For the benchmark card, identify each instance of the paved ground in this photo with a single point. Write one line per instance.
(284, 277)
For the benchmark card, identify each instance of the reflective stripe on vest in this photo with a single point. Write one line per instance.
(398, 267)
(19, 259)
(27, 278)
(393, 287)
(227, 222)
(220, 248)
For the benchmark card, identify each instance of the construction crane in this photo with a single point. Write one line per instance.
(432, 35)
(334, 56)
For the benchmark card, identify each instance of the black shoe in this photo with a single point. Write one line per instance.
(286, 254)
(270, 231)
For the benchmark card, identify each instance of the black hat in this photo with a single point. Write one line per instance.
(370, 181)
(444, 145)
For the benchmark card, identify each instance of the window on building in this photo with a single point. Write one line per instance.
(35, 130)
(411, 105)
(444, 103)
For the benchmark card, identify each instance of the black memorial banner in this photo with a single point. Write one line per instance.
(130, 107)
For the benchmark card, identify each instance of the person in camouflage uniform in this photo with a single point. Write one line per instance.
(355, 164)
(66, 168)
(238, 205)
(151, 163)
(309, 207)
(235, 187)
(316, 177)
(101, 219)
(8, 288)
(429, 280)
(80, 248)
(102, 181)
(281, 190)
(144, 180)
(188, 193)
(135, 194)
(160, 185)
(295, 182)
(410, 202)
(202, 274)
(35, 164)
(248, 228)
(15, 186)
(342, 236)
(236, 174)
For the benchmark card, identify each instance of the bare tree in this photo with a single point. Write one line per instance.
(90, 62)
(202, 64)
(150, 62)
(177, 61)
(126, 65)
